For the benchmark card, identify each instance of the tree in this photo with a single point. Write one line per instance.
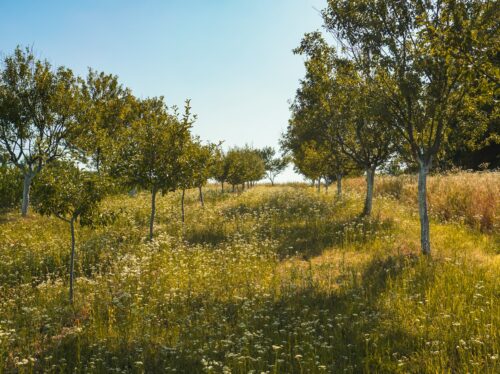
(106, 109)
(150, 151)
(254, 167)
(337, 107)
(220, 169)
(38, 106)
(430, 56)
(243, 165)
(70, 194)
(203, 157)
(196, 166)
(273, 165)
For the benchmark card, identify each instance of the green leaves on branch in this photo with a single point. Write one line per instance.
(65, 191)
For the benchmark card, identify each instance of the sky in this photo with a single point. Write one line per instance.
(232, 58)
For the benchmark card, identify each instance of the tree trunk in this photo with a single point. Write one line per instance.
(133, 192)
(319, 185)
(370, 176)
(425, 240)
(28, 177)
(243, 186)
(339, 185)
(222, 183)
(182, 204)
(153, 211)
(233, 187)
(326, 186)
(202, 202)
(72, 260)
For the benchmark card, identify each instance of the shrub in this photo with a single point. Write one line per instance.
(10, 187)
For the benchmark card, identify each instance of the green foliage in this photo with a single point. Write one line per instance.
(244, 165)
(149, 151)
(106, 108)
(198, 163)
(38, 107)
(272, 164)
(10, 187)
(69, 193)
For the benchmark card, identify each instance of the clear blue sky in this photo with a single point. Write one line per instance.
(232, 58)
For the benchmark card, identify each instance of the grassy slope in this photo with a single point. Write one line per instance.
(274, 280)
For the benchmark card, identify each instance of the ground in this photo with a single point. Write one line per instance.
(274, 279)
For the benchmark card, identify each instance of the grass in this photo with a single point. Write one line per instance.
(277, 280)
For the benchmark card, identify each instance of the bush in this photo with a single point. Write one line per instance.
(11, 190)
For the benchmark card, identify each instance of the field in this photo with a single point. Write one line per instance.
(274, 279)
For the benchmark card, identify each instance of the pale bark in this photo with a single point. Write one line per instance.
(28, 178)
(72, 260)
(425, 240)
(339, 185)
(153, 212)
(370, 177)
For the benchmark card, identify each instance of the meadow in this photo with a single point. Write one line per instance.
(276, 279)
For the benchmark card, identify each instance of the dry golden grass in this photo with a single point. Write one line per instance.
(465, 197)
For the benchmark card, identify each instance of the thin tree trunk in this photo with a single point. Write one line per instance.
(72, 260)
(182, 204)
(202, 202)
(153, 211)
(370, 176)
(28, 177)
(222, 183)
(243, 186)
(326, 186)
(319, 185)
(133, 192)
(339, 185)
(233, 187)
(425, 240)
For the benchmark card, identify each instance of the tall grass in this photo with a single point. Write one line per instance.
(465, 197)
(273, 280)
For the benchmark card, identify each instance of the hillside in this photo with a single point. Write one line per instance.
(274, 279)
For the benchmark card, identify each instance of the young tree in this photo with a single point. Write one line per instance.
(235, 166)
(150, 151)
(203, 163)
(70, 194)
(341, 100)
(243, 165)
(429, 55)
(38, 106)
(220, 169)
(196, 166)
(254, 167)
(273, 165)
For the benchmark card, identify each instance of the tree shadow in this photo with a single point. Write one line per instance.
(332, 328)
